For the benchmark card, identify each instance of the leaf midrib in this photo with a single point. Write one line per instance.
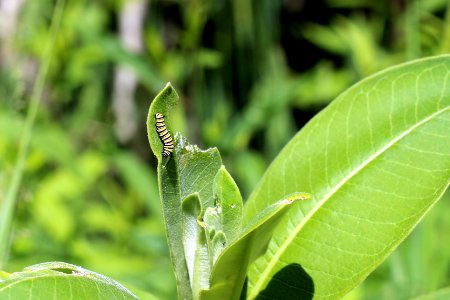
(275, 258)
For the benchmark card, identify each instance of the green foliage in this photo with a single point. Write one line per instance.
(246, 87)
(8, 204)
(60, 281)
(210, 247)
(229, 200)
(230, 270)
(367, 185)
(367, 181)
(438, 295)
(188, 170)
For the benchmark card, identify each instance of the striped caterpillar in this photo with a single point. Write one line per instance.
(164, 135)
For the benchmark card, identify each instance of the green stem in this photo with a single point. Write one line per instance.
(8, 204)
(445, 44)
(412, 20)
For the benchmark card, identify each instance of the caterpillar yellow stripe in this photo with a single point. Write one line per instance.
(164, 135)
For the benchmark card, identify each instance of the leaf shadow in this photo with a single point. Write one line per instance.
(290, 283)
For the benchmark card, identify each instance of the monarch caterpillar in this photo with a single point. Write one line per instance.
(164, 135)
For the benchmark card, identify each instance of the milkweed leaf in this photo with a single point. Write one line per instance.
(375, 160)
(229, 272)
(56, 280)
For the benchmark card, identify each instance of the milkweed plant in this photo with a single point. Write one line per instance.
(336, 201)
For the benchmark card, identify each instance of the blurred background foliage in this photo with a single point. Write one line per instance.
(250, 74)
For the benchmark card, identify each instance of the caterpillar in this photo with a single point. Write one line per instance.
(164, 135)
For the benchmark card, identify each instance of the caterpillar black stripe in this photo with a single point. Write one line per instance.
(164, 135)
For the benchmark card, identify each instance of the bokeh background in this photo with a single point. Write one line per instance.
(250, 74)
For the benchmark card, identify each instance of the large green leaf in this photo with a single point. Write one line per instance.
(61, 281)
(375, 161)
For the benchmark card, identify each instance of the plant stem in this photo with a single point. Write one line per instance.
(8, 205)
(412, 20)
